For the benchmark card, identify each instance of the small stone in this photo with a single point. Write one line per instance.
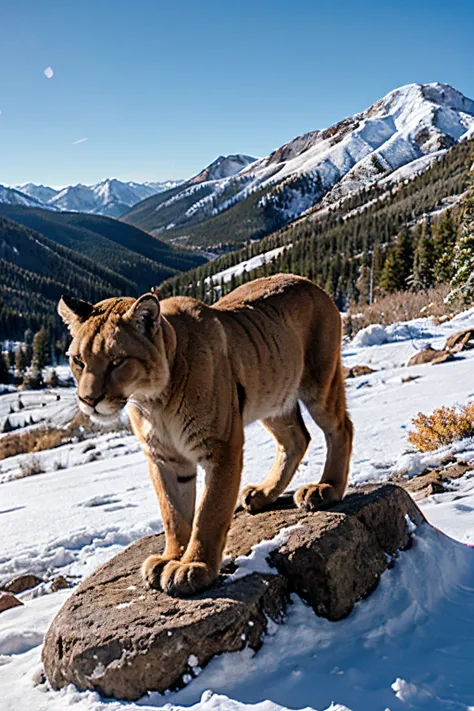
(358, 370)
(22, 583)
(59, 583)
(8, 600)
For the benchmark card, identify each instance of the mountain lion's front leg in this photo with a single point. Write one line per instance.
(176, 492)
(199, 566)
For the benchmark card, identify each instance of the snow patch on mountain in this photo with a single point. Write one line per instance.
(248, 265)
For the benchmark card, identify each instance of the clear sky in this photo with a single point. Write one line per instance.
(160, 89)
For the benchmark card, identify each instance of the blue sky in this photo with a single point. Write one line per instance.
(161, 89)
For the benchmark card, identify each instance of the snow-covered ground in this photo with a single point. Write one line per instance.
(409, 646)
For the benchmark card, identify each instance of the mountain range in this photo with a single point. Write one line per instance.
(394, 139)
(110, 197)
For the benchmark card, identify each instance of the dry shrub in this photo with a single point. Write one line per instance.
(445, 426)
(30, 467)
(46, 437)
(399, 306)
(33, 441)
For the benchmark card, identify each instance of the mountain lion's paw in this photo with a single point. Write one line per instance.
(254, 499)
(151, 570)
(184, 579)
(316, 496)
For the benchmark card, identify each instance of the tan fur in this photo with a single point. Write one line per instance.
(192, 377)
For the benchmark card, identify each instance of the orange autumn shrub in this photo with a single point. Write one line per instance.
(444, 426)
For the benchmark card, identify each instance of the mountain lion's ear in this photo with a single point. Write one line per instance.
(74, 311)
(144, 314)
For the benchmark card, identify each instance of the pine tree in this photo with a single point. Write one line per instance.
(463, 279)
(444, 242)
(363, 285)
(20, 360)
(28, 338)
(423, 260)
(399, 263)
(4, 371)
(41, 349)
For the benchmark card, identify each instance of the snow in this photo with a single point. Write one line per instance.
(409, 645)
(256, 560)
(247, 265)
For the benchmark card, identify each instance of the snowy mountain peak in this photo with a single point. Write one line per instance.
(443, 95)
(223, 167)
(110, 197)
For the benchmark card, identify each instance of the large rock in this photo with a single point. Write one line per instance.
(122, 640)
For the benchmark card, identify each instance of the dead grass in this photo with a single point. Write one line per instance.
(35, 440)
(400, 306)
(444, 426)
(47, 437)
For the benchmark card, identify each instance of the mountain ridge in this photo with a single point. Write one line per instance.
(110, 197)
(404, 128)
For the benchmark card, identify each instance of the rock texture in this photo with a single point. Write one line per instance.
(122, 640)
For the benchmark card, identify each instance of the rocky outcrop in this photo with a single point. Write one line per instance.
(436, 481)
(122, 640)
(461, 341)
(430, 355)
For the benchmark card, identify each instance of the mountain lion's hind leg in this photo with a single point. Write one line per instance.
(331, 416)
(176, 493)
(292, 440)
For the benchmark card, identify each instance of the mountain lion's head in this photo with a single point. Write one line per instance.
(117, 352)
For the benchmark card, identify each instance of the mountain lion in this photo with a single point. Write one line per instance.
(192, 376)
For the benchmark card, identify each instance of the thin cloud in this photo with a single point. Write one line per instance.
(81, 140)
(48, 72)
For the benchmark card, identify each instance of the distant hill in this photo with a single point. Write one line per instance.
(35, 271)
(396, 138)
(44, 254)
(126, 250)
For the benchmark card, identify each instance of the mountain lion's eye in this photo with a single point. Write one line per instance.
(78, 362)
(117, 362)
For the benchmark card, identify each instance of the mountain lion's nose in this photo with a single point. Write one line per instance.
(92, 401)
